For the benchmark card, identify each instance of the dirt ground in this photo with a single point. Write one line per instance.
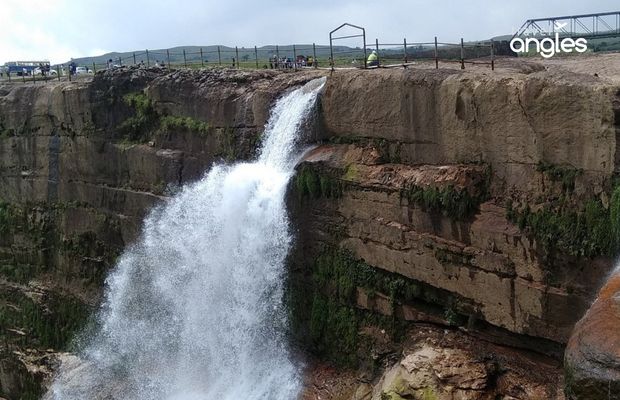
(604, 66)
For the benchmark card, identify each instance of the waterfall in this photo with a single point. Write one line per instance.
(194, 310)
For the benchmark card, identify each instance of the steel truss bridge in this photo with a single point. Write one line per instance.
(587, 26)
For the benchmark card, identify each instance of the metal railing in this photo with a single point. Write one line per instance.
(408, 53)
(278, 57)
(281, 57)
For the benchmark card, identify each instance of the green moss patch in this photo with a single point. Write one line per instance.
(138, 127)
(147, 122)
(312, 183)
(50, 322)
(324, 313)
(565, 175)
(457, 204)
(5, 217)
(185, 123)
(589, 231)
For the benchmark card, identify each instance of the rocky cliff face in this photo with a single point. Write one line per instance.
(473, 202)
(80, 165)
(477, 142)
(476, 201)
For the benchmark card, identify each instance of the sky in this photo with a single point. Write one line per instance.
(57, 30)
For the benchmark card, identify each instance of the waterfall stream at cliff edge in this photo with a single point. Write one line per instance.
(194, 309)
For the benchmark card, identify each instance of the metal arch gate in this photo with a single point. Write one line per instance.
(331, 39)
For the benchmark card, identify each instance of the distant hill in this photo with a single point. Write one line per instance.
(210, 54)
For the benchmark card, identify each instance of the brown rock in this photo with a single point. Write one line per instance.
(592, 358)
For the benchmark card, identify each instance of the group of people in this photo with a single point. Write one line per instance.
(158, 64)
(276, 62)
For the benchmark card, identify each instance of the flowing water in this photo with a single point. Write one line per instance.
(194, 310)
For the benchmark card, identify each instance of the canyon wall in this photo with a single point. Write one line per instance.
(473, 200)
(81, 164)
(435, 197)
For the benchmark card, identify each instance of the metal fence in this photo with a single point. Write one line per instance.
(409, 53)
(280, 57)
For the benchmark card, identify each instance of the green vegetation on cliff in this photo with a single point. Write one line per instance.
(49, 322)
(330, 299)
(185, 123)
(137, 128)
(311, 183)
(458, 204)
(565, 175)
(147, 122)
(585, 232)
(5, 217)
(453, 203)
(558, 226)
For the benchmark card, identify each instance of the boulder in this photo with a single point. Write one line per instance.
(592, 358)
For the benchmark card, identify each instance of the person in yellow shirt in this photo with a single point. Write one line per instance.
(373, 59)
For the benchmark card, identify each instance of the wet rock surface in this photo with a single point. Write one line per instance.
(435, 363)
(592, 358)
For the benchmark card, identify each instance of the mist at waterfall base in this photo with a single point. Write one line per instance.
(194, 310)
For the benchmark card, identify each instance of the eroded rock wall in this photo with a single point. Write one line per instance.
(509, 120)
(435, 197)
(81, 164)
(478, 201)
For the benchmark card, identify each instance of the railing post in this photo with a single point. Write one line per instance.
(134, 58)
(331, 52)
(436, 55)
(184, 59)
(462, 55)
(295, 57)
(148, 61)
(377, 49)
(314, 60)
(202, 60)
(256, 56)
(94, 68)
(219, 55)
(364, 40)
(57, 73)
(237, 54)
(405, 48)
(168, 57)
(492, 55)
(120, 62)
(277, 56)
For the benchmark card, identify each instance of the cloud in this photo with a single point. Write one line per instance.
(61, 29)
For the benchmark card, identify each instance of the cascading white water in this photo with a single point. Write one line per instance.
(194, 310)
